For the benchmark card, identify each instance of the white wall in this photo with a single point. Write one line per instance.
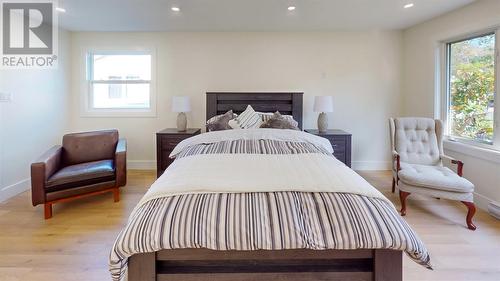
(418, 88)
(360, 69)
(34, 120)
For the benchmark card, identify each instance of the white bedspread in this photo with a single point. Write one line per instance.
(241, 173)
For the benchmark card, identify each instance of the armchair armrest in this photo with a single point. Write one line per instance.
(460, 164)
(41, 170)
(396, 160)
(121, 162)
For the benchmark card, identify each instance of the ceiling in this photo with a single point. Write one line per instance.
(249, 15)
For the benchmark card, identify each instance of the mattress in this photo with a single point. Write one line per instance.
(259, 189)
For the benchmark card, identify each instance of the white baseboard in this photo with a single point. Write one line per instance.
(141, 165)
(371, 165)
(481, 201)
(494, 210)
(14, 189)
(487, 204)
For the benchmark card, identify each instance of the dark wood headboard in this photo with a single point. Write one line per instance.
(285, 103)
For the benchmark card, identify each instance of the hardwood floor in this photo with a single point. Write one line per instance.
(75, 243)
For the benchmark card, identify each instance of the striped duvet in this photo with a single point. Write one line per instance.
(263, 220)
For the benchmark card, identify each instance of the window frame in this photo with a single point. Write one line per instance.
(446, 95)
(87, 109)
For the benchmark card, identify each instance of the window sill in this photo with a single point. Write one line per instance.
(119, 113)
(472, 150)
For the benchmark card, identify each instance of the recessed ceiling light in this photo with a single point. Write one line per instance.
(62, 10)
(175, 9)
(291, 8)
(409, 5)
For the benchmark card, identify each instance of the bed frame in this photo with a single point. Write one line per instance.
(263, 265)
(285, 103)
(284, 265)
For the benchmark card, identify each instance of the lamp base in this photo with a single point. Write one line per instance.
(322, 122)
(181, 122)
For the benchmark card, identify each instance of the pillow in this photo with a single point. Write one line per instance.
(248, 119)
(220, 122)
(216, 117)
(278, 121)
(268, 115)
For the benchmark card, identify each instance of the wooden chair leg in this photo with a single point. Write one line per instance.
(47, 210)
(116, 194)
(470, 213)
(393, 185)
(402, 198)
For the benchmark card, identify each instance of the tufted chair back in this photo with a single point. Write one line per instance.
(417, 140)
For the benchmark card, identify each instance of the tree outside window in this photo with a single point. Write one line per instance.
(471, 72)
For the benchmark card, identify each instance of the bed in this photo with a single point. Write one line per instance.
(198, 223)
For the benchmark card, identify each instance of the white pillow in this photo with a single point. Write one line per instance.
(248, 119)
(267, 115)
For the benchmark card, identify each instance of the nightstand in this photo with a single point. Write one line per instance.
(341, 143)
(166, 140)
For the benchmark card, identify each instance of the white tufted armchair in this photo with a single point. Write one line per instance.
(417, 150)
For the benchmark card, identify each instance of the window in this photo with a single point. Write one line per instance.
(471, 87)
(119, 82)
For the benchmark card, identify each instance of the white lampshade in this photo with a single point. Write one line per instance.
(181, 104)
(323, 104)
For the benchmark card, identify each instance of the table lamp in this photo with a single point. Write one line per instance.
(323, 104)
(181, 105)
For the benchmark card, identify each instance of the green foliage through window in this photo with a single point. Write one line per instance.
(472, 88)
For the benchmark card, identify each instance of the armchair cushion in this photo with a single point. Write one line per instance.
(81, 174)
(434, 177)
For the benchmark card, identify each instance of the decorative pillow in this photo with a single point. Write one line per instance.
(267, 115)
(248, 119)
(216, 117)
(220, 122)
(278, 121)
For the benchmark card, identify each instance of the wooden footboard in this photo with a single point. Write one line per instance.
(289, 265)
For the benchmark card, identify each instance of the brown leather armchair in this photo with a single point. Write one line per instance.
(86, 164)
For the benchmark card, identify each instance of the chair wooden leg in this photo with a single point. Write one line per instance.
(393, 185)
(116, 194)
(470, 213)
(47, 210)
(402, 198)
